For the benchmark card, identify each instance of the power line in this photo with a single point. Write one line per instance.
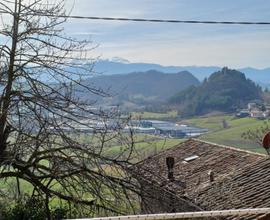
(161, 20)
(153, 20)
(165, 20)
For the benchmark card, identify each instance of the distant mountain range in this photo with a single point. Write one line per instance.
(142, 87)
(120, 66)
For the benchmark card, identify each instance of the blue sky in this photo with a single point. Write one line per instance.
(177, 44)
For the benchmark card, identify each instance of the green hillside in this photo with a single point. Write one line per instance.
(141, 87)
(232, 135)
(225, 91)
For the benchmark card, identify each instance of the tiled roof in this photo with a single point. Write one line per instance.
(220, 160)
(241, 178)
(248, 188)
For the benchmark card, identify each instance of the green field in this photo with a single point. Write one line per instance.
(154, 115)
(232, 135)
(212, 122)
(145, 145)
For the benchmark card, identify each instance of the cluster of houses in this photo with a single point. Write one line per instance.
(255, 110)
(165, 128)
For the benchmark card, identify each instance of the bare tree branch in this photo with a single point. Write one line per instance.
(42, 116)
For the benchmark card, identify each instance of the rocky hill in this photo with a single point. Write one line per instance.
(225, 90)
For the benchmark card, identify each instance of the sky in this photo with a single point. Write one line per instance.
(176, 44)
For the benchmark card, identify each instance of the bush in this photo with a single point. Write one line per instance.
(29, 209)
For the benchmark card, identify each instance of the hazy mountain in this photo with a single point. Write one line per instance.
(225, 90)
(142, 87)
(120, 66)
(117, 66)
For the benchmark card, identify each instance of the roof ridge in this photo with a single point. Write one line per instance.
(228, 147)
(201, 141)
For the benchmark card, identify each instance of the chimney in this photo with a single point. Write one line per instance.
(211, 176)
(170, 165)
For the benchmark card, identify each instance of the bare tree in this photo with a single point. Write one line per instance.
(256, 135)
(41, 116)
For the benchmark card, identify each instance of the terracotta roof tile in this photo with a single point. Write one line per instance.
(241, 178)
(249, 187)
(221, 160)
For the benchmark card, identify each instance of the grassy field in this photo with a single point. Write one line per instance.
(232, 135)
(154, 115)
(212, 122)
(146, 145)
